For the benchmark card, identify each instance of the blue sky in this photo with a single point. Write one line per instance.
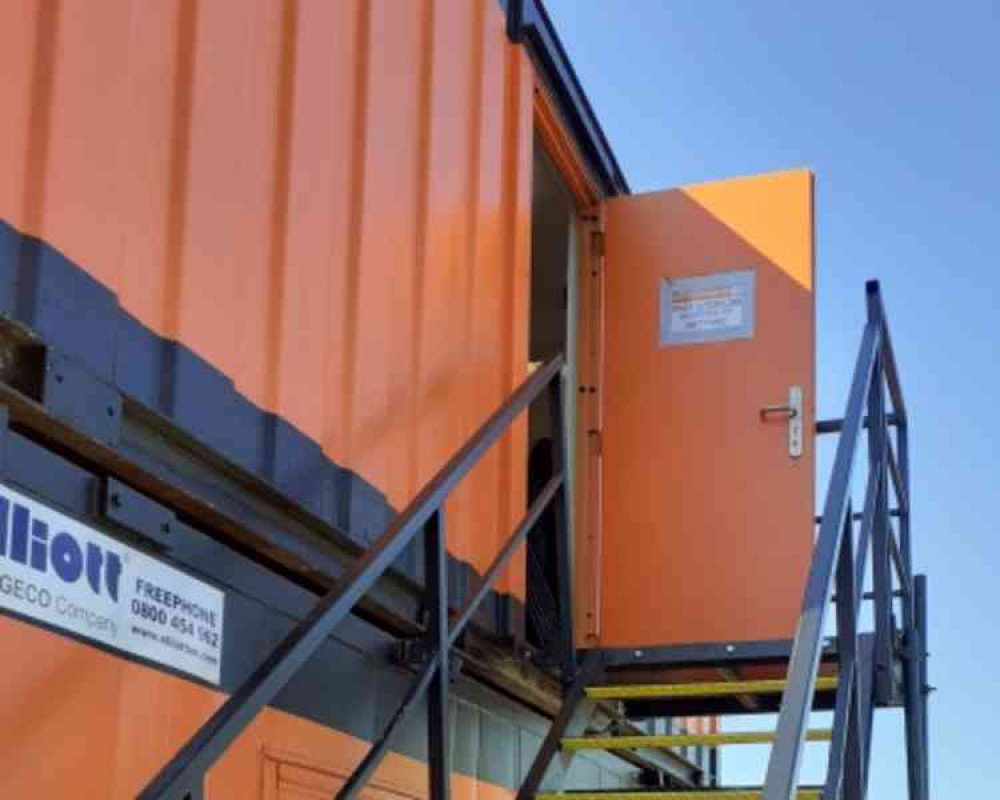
(896, 107)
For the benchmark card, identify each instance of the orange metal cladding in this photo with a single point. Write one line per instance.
(329, 201)
(707, 520)
(97, 726)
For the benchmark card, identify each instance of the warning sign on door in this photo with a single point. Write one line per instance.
(710, 308)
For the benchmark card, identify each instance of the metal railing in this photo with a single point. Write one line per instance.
(888, 666)
(183, 777)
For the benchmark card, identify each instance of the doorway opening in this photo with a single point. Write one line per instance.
(553, 323)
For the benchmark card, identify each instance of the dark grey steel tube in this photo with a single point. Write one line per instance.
(215, 736)
(920, 598)
(844, 765)
(436, 580)
(366, 768)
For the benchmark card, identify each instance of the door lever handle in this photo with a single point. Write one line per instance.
(788, 411)
(792, 411)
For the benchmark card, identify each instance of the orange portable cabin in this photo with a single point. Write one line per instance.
(265, 268)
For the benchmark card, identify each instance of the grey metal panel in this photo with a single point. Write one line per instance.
(297, 465)
(229, 422)
(78, 396)
(583, 773)
(529, 745)
(466, 738)
(361, 508)
(392, 683)
(64, 303)
(249, 631)
(609, 780)
(140, 362)
(498, 749)
(10, 253)
(139, 514)
(364, 513)
(459, 583)
(335, 689)
(42, 473)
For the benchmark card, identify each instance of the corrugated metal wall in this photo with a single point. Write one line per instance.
(98, 727)
(330, 201)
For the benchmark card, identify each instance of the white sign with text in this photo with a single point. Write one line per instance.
(709, 308)
(64, 573)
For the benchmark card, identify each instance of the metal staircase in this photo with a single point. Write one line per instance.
(852, 673)
(604, 683)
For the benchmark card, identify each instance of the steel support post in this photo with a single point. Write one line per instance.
(866, 710)
(878, 453)
(920, 617)
(436, 587)
(913, 685)
(844, 770)
(843, 720)
(905, 542)
(859, 733)
(912, 704)
(563, 532)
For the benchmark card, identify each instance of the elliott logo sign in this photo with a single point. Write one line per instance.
(61, 572)
(66, 555)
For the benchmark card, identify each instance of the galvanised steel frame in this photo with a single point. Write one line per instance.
(883, 668)
(887, 667)
(183, 777)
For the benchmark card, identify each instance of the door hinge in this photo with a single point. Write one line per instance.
(596, 439)
(597, 244)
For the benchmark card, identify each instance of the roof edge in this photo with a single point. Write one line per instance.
(528, 23)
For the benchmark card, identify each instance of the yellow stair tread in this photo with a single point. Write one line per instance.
(706, 794)
(682, 740)
(686, 690)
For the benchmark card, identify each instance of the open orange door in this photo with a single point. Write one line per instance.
(707, 495)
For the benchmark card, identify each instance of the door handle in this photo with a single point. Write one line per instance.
(788, 411)
(793, 412)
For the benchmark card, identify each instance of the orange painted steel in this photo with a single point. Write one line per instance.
(330, 202)
(564, 152)
(84, 723)
(707, 520)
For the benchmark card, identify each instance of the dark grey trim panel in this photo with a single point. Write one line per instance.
(528, 22)
(205, 498)
(155, 402)
(351, 685)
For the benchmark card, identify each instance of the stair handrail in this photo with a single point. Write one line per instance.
(182, 778)
(866, 662)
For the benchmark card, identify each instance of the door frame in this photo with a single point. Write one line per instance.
(562, 149)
